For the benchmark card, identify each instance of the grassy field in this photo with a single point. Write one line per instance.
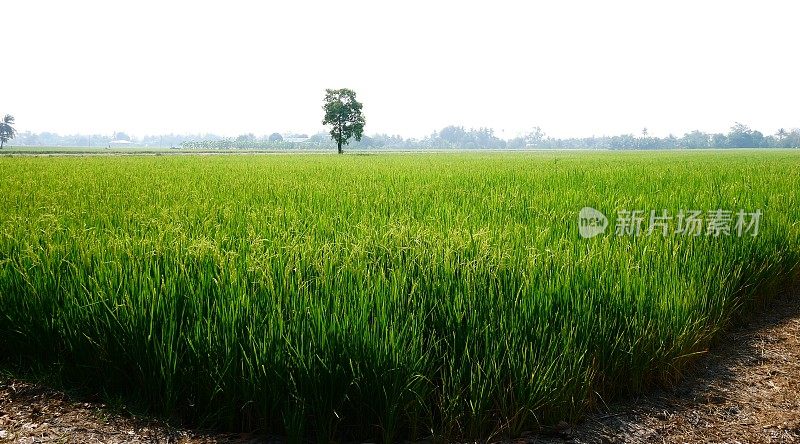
(386, 296)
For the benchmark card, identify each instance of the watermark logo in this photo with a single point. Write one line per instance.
(713, 223)
(591, 222)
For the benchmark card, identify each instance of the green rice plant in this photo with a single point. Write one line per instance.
(378, 297)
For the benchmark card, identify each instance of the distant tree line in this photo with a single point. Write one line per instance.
(28, 138)
(246, 142)
(212, 141)
(450, 137)
(739, 136)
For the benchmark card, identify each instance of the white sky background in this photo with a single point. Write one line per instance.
(575, 68)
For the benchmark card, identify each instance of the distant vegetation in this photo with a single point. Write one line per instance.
(456, 137)
(377, 297)
(7, 130)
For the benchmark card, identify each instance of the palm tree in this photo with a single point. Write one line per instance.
(7, 131)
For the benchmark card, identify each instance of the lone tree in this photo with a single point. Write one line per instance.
(343, 113)
(7, 131)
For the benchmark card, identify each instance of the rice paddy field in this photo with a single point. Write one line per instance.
(382, 297)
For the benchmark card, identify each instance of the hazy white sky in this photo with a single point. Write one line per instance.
(575, 68)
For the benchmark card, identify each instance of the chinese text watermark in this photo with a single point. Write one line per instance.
(715, 223)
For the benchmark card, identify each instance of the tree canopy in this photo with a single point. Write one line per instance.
(343, 113)
(7, 131)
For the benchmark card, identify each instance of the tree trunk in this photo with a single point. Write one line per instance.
(339, 145)
(3, 141)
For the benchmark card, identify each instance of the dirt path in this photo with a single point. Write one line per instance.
(747, 389)
(30, 413)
